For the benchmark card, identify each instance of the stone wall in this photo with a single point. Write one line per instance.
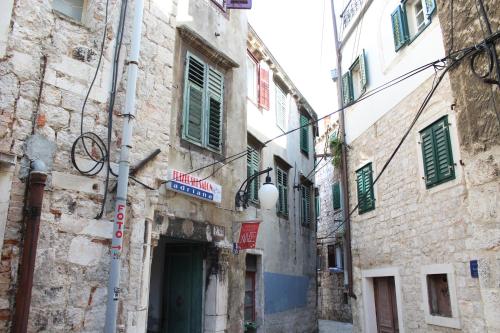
(331, 291)
(413, 227)
(478, 121)
(44, 76)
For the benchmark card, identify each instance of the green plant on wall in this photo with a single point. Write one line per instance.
(335, 149)
(250, 326)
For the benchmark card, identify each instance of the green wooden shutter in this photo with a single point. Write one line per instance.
(399, 27)
(215, 103)
(430, 6)
(436, 153)
(317, 203)
(305, 205)
(347, 88)
(336, 195)
(194, 100)
(253, 166)
(304, 134)
(363, 71)
(281, 108)
(366, 200)
(282, 182)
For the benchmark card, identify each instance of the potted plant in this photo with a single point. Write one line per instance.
(250, 327)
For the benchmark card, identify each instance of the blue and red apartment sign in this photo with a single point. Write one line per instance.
(193, 186)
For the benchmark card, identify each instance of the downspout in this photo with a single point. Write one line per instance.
(123, 173)
(344, 174)
(36, 185)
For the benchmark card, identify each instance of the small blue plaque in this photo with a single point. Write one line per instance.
(474, 269)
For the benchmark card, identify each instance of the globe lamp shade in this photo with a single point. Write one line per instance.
(268, 194)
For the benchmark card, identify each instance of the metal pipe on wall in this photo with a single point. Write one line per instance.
(123, 173)
(37, 181)
(344, 175)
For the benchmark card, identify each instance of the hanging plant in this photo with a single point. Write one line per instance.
(250, 326)
(336, 150)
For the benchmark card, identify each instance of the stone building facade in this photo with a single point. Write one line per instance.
(333, 301)
(425, 235)
(285, 284)
(48, 56)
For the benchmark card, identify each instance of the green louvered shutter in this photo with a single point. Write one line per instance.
(305, 211)
(317, 203)
(399, 27)
(253, 165)
(304, 134)
(282, 182)
(194, 100)
(436, 153)
(430, 6)
(363, 71)
(347, 88)
(336, 195)
(215, 102)
(366, 200)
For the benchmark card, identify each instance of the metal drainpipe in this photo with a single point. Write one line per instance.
(37, 179)
(344, 174)
(114, 290)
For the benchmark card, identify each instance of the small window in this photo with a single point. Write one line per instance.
(436, 153)
(252, 77)
(335, 256)
(203, 104)
(317, 203)
(253, 167)
(366, 199)
(281, 108)
(355, 81)
(282, 183)
(305, 207)
(250, 288)
(336, 196)
(263, 88)
(304, 134)
(409, 19)
(439, 295)
(70, 8)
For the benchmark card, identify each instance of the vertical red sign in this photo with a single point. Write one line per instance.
(248, 235)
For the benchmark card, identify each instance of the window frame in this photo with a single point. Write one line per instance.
(359, 65)
(454, 320)
(251, 58)
(83, 15)
(205, 112)
(362, 208)
(278, 90)
(305, 198)
(337, 256)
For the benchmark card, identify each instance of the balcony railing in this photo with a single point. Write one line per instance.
(350, 11)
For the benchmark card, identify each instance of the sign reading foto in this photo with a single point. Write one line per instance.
(248, 234)
(193, 186)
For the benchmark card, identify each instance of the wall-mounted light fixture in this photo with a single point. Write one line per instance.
(268, 193)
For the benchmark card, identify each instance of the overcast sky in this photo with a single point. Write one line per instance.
(300, 36)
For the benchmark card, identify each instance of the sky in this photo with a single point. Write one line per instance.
(300, 36)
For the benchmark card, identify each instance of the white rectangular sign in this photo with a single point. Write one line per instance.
(193, 186)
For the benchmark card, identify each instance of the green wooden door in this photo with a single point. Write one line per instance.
(184, 290)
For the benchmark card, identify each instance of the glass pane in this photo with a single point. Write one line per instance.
(248, 314)
(248, 298)
(248, 283)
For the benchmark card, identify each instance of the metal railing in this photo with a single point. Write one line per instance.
(350, 11)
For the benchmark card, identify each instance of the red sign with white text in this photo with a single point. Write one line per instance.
(248, 235)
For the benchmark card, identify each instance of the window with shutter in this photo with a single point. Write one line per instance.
(281, 108)
(203, 104)
(347, 88)
(282, 183)
(436, 153)
(253, 167)
(305, 207)
(399, 27)
(366, 199)
(336, 196)
(264, 88)
(304, 134)
(317, 203)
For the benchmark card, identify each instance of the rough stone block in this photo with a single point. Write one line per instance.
(83, 251)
